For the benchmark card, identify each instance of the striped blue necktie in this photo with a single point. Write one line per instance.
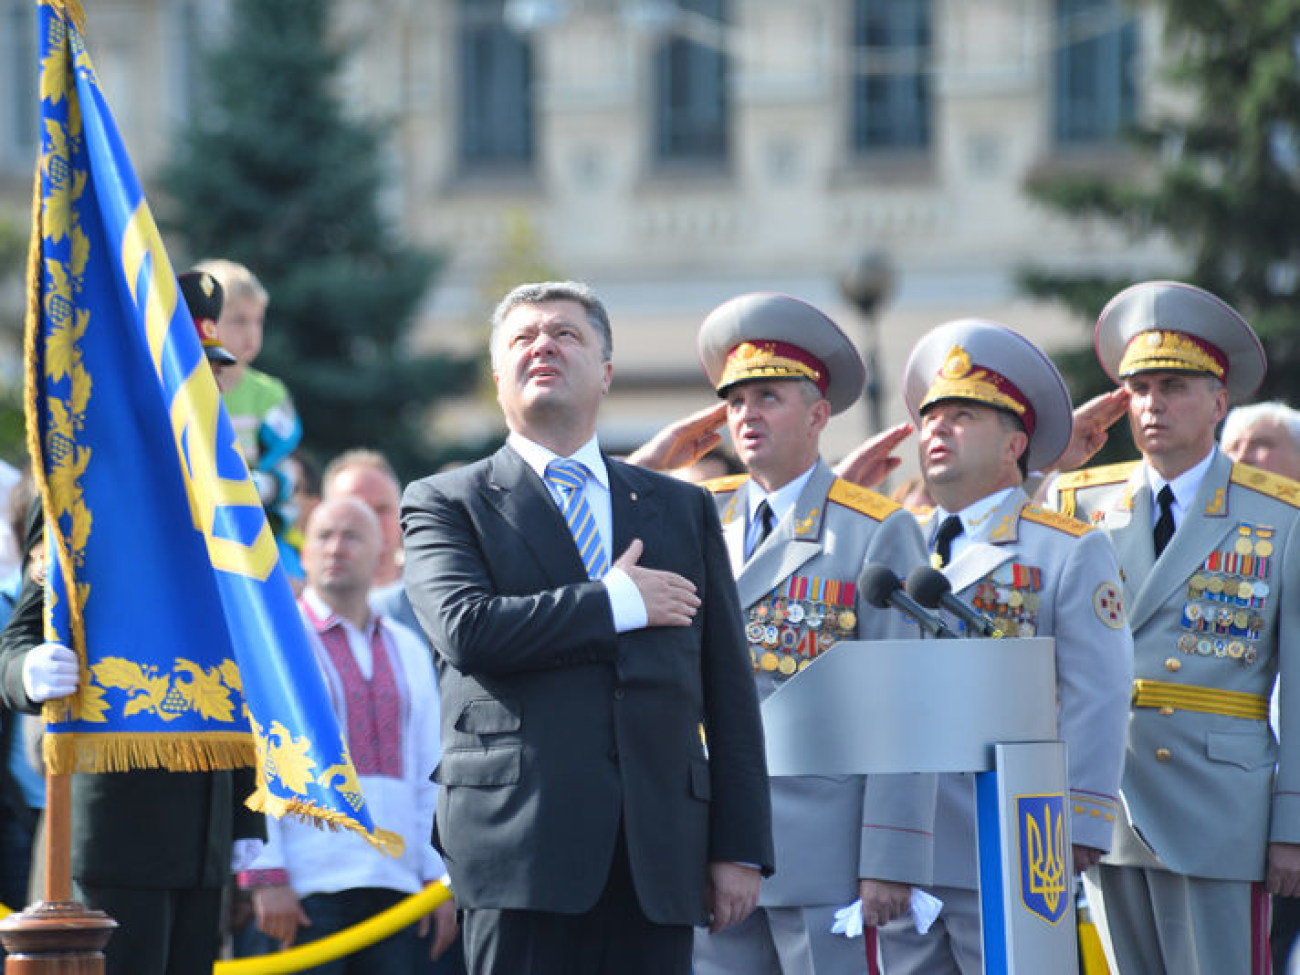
(570, 477)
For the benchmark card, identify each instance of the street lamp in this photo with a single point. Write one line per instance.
(867, 284)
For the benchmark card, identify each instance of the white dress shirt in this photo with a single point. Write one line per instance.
(625, 602)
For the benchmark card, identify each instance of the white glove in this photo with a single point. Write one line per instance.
(50, 671)
(925, 909)
(244, 853)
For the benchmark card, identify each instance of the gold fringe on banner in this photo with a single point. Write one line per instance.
(121, 752)
(309, 812)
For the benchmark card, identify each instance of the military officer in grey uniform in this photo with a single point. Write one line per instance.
(798, 539)
(1210, 556)
(989, 406)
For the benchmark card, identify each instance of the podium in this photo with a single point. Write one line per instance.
(982, 706)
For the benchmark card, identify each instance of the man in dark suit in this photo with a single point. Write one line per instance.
(603, 784)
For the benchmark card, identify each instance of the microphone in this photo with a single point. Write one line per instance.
(931, 589)
(881, 588)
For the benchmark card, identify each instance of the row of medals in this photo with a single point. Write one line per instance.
(1013, 611)
(777, 628)
(1224, 614)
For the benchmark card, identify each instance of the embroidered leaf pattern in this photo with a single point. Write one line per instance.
(204, 692)
(287, 758)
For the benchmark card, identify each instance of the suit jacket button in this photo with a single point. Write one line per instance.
(1163, 754)
(613, 755)
(618, 693)
(1173, 664)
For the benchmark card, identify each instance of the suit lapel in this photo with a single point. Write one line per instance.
(519, 496)
(795, 539)
(991, 549)
(635, 509)
(1200, 533)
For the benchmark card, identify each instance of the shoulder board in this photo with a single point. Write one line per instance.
(721, 485)
(869, 502)
(1089, 476)
(1265, 482)
(1054, 519)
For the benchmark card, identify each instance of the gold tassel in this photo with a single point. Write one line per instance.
(307, 811)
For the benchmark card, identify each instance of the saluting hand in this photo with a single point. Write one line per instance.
(669, 599)
(682, 443)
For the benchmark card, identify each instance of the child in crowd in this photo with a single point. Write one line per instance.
(266, 424)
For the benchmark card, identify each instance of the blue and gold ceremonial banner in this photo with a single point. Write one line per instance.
(164, 575)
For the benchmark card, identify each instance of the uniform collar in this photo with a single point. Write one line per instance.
(782, 499)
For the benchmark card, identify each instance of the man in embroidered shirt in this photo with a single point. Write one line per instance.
(309, 883)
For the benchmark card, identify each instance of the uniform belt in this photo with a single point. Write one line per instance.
(1187, 697)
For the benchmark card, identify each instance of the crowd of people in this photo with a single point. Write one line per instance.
(549, 664)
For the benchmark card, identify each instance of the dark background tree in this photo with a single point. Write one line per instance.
(272, 173)
(1222, 182)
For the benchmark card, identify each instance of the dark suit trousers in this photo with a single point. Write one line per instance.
(613, 938)
(160, 932)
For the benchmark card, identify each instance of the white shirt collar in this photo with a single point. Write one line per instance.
(1184, 486)
(782, 499)
(326, 616)
(537, 457)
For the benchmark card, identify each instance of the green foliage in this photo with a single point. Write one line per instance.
(271, 173)
(1226, 186)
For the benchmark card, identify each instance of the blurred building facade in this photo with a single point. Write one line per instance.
(676, 153)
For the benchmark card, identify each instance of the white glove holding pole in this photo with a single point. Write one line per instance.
(50, 671)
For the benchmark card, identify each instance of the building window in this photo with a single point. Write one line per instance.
(692, 106)
(1096, 68)
(496, 124)
(891, 80)
(21, 111)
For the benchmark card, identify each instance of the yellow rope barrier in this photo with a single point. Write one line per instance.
(341, 943)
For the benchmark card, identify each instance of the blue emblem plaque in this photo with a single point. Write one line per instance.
(1044, 860)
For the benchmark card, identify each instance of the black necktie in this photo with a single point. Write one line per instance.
(949, 529)
(1165, 524)
(763, 519)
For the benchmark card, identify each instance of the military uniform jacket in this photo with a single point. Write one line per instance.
(798, 596)
(1036, 573)
(1215, 611)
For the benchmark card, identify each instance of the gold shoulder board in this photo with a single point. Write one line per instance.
(1090, 476)
(869, 502)
(1054, 519)
(720, 485)
(1274, 485)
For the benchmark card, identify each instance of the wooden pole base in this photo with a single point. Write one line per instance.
(56, 938)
